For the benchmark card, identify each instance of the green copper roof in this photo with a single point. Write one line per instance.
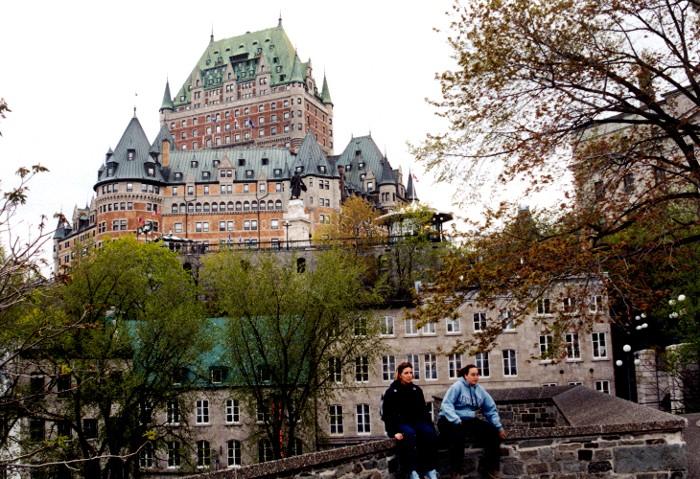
(311, 159)
(361, 157)
(167, 99)
(325, 93)
(242, 55)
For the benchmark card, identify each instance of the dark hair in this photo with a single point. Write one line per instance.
(401, 367)
(465, 370)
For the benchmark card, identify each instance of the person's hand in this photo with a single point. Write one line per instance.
(398, 436)
(502, 434)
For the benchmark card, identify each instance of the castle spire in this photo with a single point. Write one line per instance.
(167, 103)
(325, 92)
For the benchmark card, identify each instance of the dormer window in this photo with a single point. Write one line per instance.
(299, 169)
(348, 167)
(241, 162)
(110, 171)
(277, 172)
(130, 154)
(150, 171)
(361, 165)
(362, 176)
(249, 173)
(321, 168)
(194, 164)
(178, 176)
(206, 175)
(216, 163)
(370, 186)
(265, 161)
(358, 152)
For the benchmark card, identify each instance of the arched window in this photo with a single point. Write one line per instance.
(214, 207)
(246, 206)
(190, 208)
(278, 204)
(270, 205)
(183, 207)
(254, 205)
(262, 206)
(222, 206)
(174, 210)
(239, 206)
(229, 206)
(198, 207)
(206, 207)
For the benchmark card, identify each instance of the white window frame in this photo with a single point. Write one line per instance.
(573, 346)
(598, 345)
(603, 386)
(203, 454)
(510, 363)
(173, 454)
(414, 359)
(479, 321)
(410, 327)
(363, 420)
(202, 412)
(335, 420)
(388, 367)
(233, 453)
(453, 326)
(544, 307)
(430, 366)
(233, 411)
(481, 361)
(546, 346)
(387, 326)
(428, 329)
(454, 364)
(595, 304)
(361, 369)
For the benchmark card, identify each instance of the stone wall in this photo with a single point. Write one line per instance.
(603, 437)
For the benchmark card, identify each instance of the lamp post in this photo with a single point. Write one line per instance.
(286, 227)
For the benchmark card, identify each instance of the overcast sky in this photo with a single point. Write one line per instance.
(72, 72)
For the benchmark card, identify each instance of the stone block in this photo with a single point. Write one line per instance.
(512, 468)
(599, 466)
(650, 458)
(538, 468)
(573, 466)
(585, 455)
(602, 455)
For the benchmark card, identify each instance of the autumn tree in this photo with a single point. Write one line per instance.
(140, 323)
(290, 331)
(602, 92)
(355, 224)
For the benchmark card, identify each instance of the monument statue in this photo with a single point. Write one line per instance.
(297, 185)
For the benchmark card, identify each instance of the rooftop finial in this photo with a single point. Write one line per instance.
(279, 20)
(136, 94)
(211, 38)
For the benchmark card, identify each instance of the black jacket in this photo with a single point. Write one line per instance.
(403, 404)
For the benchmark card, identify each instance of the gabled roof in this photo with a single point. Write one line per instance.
(130, 157)
(311, 159)
(163, 135)
(361, 159)
(243, 54)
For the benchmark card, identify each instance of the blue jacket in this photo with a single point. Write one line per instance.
(462, 401)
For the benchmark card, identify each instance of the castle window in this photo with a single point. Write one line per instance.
(150, 171)
(130, 154)
(322, 169)
(178, 176)
(265, 161)
(206, 175)
(241, 162)
(299, 169)
(277, 172)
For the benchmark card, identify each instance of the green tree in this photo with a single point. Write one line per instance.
(287, 326)
(141, 323)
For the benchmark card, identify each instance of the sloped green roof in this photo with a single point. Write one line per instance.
(242, 53)
(360, 157)
(312, 160)
(193, 163)
(325, 92)
(120, 167)
(167, 103)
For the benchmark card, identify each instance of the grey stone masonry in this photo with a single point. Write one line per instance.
(593, 436)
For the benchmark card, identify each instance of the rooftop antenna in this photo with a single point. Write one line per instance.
(135, 98)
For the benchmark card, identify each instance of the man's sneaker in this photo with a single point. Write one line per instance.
(432, 474)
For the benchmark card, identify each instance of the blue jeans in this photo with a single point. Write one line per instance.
(418, 448)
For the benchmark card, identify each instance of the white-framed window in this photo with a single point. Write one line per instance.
(428, 329)
(335, 419)
(454, 364)
(203, 454)
(146, 456)
(575, 383)
(388, 367)
(410, 327)
(233, 453)
(595, 304)
(363, 419)
(600, 348)
(361, 369)
(335, 370)
(569, 305)
(508, 322)
(549, 385)
(603, 386)
(172, 412)
(430, 363)
(360, 327)
(233, 411)
(262, 413)
(482, 364)
(177, 227)
(414, 359)
(265, 452)
(546, 346)
(387, 326)
(202, 409)
(479, 321)
(453, 326)
(573, 348)
(544, 306)
(173, 454)
(510, 363)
